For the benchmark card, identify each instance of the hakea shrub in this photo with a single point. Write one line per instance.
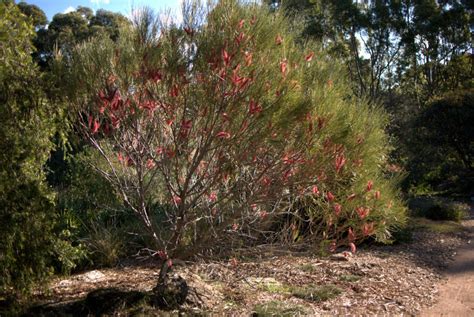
(232, 128)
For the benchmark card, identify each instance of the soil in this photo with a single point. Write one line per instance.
(456, 294)
(400, 279)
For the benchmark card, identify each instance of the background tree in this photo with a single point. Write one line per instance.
(444, 145)
(400, 53)
(30, 246)
(69, 29)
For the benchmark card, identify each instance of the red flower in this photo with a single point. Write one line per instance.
(174, 92)
(351, 196)
(241, 23)
(337, 209)
(162, 254)
(332, 246)
(339, 162)
(102, 95)
(155, 75)
(239, 38)
(236, 79)
(95, 127)
(150, 164)
(266, 180)
(89, 121)
(368, 229)
(226, 116)
(212, 197)
(350, 235)
(170, 153)
(329, 196)
(377, 194)
(185, 127)
(159, 150)
(309, 57)
(315, 190)
(188, 31)
(283, 67)
(248, 58)
(278, 39)
(369, 185)
(223, 135)
(254, 107)
(226, 57)
(353, 247)
(362, 212)
(176, 199)
(234, 262)
(254, 20)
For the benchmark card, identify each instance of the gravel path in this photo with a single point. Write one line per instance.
(456, 295)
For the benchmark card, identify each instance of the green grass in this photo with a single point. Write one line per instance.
(349, 278)
(277, 308)
(307, 292)
(436, 226)
(308, 267)
(316, 293)
(275, 287)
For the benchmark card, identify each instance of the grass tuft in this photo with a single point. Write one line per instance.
(349, 278)
(277, 308)
(316, 293)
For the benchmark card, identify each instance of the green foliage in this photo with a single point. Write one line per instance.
(268, 119)
(277, 308)
(69, 29)
(439, 208)
(316, 293)
(349, 278)
(437, 226)
(97, 219)
(442, 153)
(37, 16)
(27, 212)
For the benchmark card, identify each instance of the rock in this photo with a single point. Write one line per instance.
(65, 283)
(343, 256)
(93, 276)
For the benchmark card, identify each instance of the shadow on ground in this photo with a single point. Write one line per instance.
(104, 301)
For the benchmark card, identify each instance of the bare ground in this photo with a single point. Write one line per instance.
(456, 294)
(379, 280)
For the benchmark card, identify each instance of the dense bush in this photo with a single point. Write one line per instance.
(442, 147)
(97, 219)
(438, 208)
(225, 127)
(30, 247)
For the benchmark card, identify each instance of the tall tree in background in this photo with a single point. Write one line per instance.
(28, 245)
(69, 29)
(389, 43)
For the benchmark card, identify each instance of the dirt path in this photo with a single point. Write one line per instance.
(456, 295)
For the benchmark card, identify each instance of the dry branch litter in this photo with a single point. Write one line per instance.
(398, 279)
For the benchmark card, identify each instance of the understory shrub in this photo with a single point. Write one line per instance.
(224, 127)
(97, 219)
(438, 208)
(442, 149)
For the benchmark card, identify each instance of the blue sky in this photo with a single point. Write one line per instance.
(51, 7)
